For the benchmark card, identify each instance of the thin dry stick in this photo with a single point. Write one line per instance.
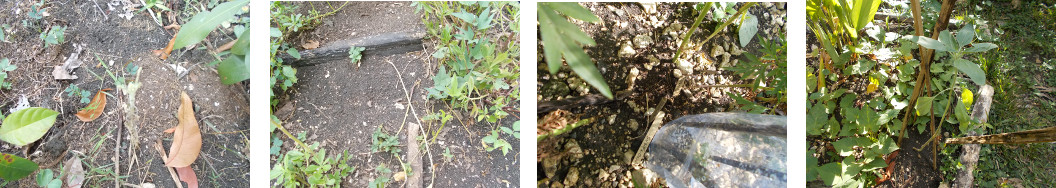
(410, 105)
(157, 146)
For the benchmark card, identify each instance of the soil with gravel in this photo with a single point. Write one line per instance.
(600, 154)
(222, 111)
(340, 105)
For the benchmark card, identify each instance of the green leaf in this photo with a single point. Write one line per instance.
(947, 40)
(574, 10)
(981, 47)
(232, 70)
(931, 44)
(294, 53)
(749, 26)
(201, 24)
(886, 144)
(830, 173)
(27, 125)
(924, 105)
(14, 168)
(816, 119)
(812, 167)
(241, 46)
(44, 177)
(845, 146)
(965, 35)
(972, 70)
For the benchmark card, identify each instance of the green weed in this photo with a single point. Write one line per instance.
(56, 35)
(384, 143)
(383, 177)
(479, 68)
(313, 169)
(5, 66)
(73, 90)
(355, 54)
(47, 178)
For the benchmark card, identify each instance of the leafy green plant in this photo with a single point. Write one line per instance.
(563, 40)
(492, 141)
(47, 178)
(27, 125)
(478, 68)
(3, 32)
(56, 35)
(355, 54)
(767, 76)
(384, 143)
(383, 177)
(73, 90)
(14, 168)
(5, 66)
(235, 67)
(313, 169)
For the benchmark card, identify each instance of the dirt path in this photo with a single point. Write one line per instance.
(341, 105)
(222, 110)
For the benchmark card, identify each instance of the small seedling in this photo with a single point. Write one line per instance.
(355, 53)
(49, 179)
(447, 154)
(73, 90)
(154, 4)
(56, 35)
(383, 176)
(384, 142)
(496, 142)
(5, 66)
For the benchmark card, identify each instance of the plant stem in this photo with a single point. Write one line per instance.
(565, 129)
(740, 12)
(685, 39)
(284, 131)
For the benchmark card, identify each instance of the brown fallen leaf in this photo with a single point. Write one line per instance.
(164, 53)
(310, 45)
(94, 108)
(187, 175)
(187, 140)
(74, 172)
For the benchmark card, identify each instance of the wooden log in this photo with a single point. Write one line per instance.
(382, 44)
(970, 156)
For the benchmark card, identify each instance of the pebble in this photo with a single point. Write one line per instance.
(612, 119)
(653, 61)
(643, 41)
(572, 177)
(550, 166)
(633, 125)
(649, 8)
(628, 157)
(677, 72)
(573, 148)
(626, 50)
(685, 66)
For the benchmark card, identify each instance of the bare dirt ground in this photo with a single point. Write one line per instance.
(340, 105)
(221, 110)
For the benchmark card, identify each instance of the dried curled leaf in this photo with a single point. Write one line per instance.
(164, 53)
(187, 140)
(74, 172)
(187, 175)
(95, 108)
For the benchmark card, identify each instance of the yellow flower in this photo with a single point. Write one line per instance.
(873, 84)
(966, 97)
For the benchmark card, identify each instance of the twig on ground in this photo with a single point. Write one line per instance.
(176, 179)
(410, 105)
